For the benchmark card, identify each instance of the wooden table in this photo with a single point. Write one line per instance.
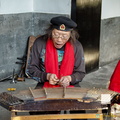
(57, 99)
(98, 116)
(57, 105)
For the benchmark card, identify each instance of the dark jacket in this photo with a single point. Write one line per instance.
(36, 68)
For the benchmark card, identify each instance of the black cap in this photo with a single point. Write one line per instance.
(63, 23)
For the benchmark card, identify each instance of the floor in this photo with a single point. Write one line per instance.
(98, 79)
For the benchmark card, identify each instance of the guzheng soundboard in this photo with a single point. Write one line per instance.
(54, 99)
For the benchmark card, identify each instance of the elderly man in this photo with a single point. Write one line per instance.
(57, 58)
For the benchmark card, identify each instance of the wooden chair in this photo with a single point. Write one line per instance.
(30, 44)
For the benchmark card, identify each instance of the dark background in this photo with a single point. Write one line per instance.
(87, 14)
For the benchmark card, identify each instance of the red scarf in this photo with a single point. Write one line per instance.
(51, 61)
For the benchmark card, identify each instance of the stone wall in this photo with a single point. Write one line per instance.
(14, 32)
(16, 28)
(110, 40)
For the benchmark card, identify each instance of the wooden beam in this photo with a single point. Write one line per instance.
(58, 116)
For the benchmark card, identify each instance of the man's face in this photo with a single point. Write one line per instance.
(60, 38)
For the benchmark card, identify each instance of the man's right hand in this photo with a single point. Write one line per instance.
(52, 78)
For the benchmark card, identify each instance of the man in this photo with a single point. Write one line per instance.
(57, 58)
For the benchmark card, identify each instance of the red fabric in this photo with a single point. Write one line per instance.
(51, 61)
(115, 79)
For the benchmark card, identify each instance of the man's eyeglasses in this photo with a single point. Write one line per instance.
(63, 37)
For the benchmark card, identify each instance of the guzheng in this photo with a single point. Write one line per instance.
(7, 100)
(54, 99)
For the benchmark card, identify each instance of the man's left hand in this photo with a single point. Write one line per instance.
(65, 81)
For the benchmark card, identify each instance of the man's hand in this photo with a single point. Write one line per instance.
(65, 81)
(52, 78)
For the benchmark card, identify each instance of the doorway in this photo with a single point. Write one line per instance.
(87, 15)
